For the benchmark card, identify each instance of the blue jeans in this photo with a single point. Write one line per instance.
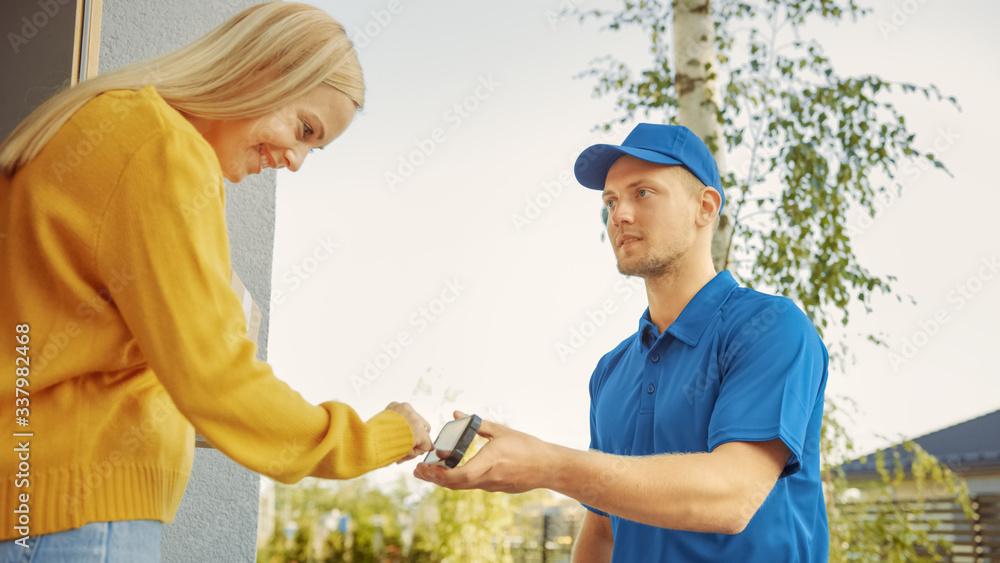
(98, 542)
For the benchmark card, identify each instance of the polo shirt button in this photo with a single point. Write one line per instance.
(651, 388)
(654, 358)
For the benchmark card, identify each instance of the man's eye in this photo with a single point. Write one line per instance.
(609, 204)
(643, 193)
(306, 129)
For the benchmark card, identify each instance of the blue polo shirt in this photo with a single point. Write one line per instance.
(736, 365)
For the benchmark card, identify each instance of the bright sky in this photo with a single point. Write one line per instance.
(474, 118)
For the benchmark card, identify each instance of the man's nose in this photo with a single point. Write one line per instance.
(622, 213)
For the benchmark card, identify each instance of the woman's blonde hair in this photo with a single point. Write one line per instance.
(262, 58)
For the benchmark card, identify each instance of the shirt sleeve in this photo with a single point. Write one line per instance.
(165, 225)
(774, 368)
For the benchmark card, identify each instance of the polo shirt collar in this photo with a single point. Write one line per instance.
(692, 321)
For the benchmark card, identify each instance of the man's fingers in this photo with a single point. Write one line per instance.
(429, 473)
(486, 429)
(467, 476)
(490, 430)
(458, 478)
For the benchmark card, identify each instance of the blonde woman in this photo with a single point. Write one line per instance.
(115, 306)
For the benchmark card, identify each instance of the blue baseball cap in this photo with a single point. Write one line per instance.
(660, 144)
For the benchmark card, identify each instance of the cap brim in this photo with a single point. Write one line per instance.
(592, 165)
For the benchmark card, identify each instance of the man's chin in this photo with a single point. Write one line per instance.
(642, 269)
(628, 269)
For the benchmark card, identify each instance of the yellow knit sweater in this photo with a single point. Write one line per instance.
(114, 269)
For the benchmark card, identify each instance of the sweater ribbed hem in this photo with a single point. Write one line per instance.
(68, 498)
(393, 437)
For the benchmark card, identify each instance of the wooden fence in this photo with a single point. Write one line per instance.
(980, 540)
(973, 540)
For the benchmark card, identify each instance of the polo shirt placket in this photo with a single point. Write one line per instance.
(644, 440)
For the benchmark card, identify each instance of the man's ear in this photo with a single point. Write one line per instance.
(710, 203)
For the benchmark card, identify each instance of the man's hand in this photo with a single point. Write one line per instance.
(511, 462)
(418, 426)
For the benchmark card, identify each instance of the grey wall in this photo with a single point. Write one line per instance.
(37, 50)
(217, 520)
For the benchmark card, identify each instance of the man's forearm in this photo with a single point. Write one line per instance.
(702, 492)
(595, 543)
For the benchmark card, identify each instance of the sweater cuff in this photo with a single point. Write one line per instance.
(393, 437)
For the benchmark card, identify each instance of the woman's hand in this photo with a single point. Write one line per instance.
(418, 426)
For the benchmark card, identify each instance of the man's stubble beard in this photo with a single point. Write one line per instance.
(657, 264)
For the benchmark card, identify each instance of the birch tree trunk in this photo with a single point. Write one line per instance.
(698, 98)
